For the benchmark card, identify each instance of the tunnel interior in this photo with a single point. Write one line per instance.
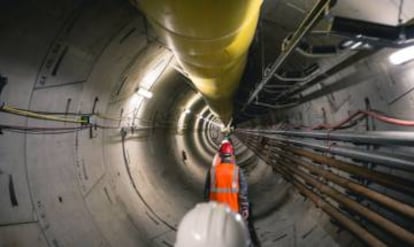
(105, 141)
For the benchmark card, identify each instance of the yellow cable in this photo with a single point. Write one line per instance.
(40, 116)
(108, 118)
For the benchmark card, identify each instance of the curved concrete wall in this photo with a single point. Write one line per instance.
(122, 186)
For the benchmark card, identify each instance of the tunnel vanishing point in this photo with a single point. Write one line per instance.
(111, 112)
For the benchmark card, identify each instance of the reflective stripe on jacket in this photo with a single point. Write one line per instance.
(224, 185)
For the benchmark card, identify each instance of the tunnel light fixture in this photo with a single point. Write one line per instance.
(144, 93)
(187, 111)
(348, 43)
(206, 119)
(154, 73)
(402, 56)
(356, 45)
(136, 100)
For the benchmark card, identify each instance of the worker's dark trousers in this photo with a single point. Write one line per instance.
(252, 231)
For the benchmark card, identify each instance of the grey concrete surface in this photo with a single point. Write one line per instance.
(96, 187)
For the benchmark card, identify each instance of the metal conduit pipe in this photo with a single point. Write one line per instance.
(383, 179)
(344, 220)
(372, 216)
(377, 177)
(387, 201)
(310, 20)
(371, 137)
(210, 40)
(278, 86)
(376, 34)
(352, 59)
(377, 219)
(380, 158)
(278, 107)
(272, 91)
(295, 79)
(318, 51)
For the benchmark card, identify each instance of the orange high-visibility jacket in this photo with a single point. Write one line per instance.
(224, 185)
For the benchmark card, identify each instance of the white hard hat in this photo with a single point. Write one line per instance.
(212, 224)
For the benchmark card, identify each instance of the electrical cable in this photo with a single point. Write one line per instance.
(27, 113)
(51, 116)
(75, 114)
(110, 118)
(50, 130)
(54, 113)
(373, 114)
(41, 130)
(43, 116)
(352, 120)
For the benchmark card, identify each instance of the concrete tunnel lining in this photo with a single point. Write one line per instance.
(91, 178)
(98, 187)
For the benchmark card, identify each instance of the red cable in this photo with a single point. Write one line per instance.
(372, 114)
(335, 126)
(388, 119)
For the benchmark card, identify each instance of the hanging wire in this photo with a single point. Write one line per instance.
(400, 12)
(27, 113)
(41, 130)
(57, 116)
(352, 120)
(62, 117)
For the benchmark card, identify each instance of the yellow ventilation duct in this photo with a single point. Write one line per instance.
(210, 39)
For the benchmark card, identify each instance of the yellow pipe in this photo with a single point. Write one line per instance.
(210, 39)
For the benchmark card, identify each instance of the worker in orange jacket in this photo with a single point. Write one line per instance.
(226, 183)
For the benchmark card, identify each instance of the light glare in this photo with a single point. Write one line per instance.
(144, 93)
(356, 45)
(152, 75)
(402, 56)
